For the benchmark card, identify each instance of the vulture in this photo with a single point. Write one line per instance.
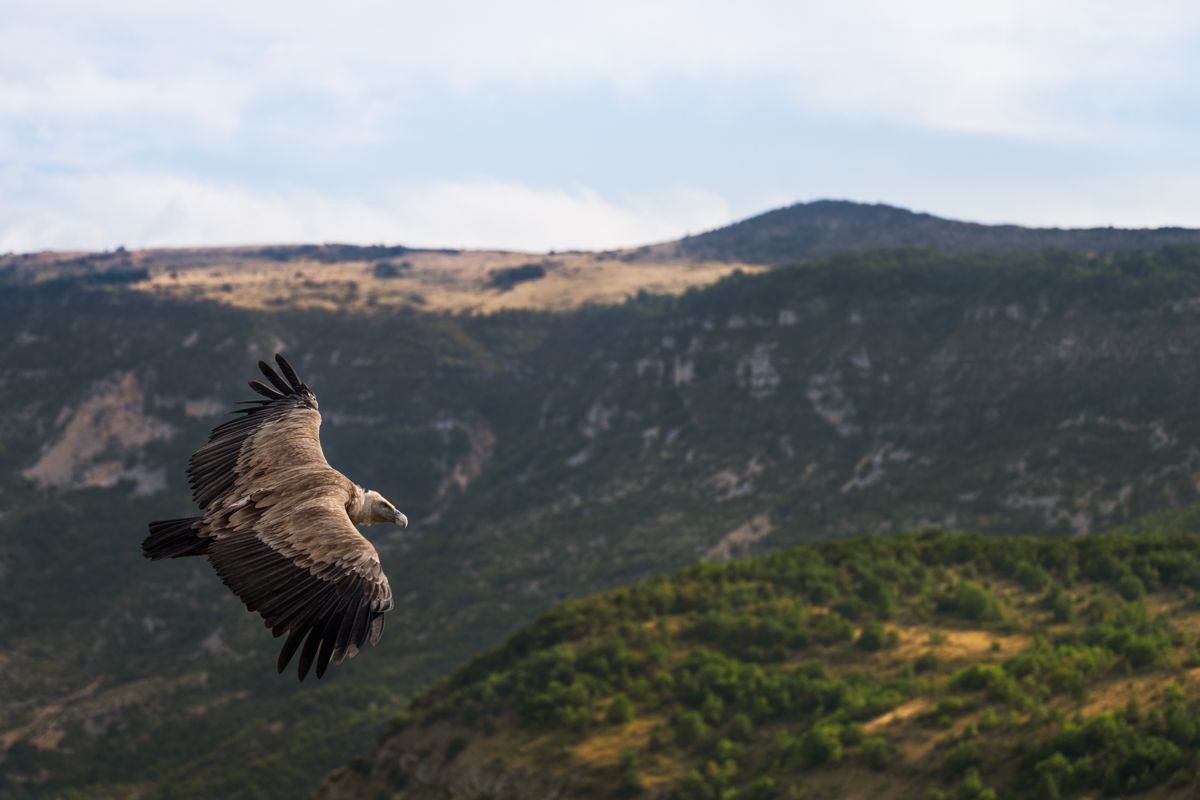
(277, 523)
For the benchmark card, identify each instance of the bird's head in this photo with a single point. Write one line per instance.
(378, 509)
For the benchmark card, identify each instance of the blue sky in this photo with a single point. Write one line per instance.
(542, 125)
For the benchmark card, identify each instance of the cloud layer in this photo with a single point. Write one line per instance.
(162, 210)
(208, 122)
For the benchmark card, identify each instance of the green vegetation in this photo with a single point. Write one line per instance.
(869, 662)
(390, 269)
(507, 278)
(332, 253)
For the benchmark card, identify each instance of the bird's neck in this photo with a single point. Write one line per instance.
(356, 506)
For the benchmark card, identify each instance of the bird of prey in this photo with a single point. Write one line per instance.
(277, 524)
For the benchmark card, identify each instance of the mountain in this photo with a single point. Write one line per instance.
(544, 445)
(919, 665)
(827, 227)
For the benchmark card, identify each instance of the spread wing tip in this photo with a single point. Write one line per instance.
(332, 640)
(282, 386)
(289, 373)
(264, 390)
(288, 384)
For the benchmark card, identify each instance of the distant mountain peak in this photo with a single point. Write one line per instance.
(827, 226)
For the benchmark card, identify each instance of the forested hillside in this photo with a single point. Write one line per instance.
(919, 665)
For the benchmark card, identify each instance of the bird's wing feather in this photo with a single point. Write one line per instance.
(280, 537)
(301, 564)
(284, 425)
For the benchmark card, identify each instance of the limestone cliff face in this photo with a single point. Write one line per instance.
(101, 441)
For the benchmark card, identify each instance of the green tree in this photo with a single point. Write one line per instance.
(620, 711)
(821, 745)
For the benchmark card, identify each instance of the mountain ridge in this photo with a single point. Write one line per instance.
(826, 227)
(400, 275)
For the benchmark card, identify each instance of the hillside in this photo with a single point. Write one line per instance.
(374, 279)
(922, 665)
(827, 227)
(378, 279)
(540, 456)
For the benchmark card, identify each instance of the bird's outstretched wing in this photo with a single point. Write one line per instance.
(285, 422)
(278, 530)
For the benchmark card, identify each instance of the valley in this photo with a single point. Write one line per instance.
(547, 440)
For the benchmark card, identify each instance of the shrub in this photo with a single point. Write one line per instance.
(963, 757)
(741, 729)
(926, 662)
(620, 711)
(390, 269)
(877, 752)
(629, 782)
(875, 637)
(506, 278)
(969, 600)
(1131, 587)
(1032, 578)
(690, 728)
(821, 745)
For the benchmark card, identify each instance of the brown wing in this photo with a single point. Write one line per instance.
(218, 465)
(280, 538)
(307, 571)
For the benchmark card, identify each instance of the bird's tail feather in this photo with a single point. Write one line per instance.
(174, 538)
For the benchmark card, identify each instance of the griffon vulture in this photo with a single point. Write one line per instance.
(277, 524)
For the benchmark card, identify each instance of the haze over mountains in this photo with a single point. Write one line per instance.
(595, 419)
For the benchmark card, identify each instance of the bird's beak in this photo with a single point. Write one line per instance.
(401, 520)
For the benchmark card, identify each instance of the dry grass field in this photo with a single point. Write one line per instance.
(475, 282)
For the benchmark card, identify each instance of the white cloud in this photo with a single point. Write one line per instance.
(509, 215)
(991, 67)
(146, 209)
(1141, 200)
(104, 107)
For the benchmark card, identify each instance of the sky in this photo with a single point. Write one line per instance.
(551, 125)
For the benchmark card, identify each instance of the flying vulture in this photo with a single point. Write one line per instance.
(277, 524)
